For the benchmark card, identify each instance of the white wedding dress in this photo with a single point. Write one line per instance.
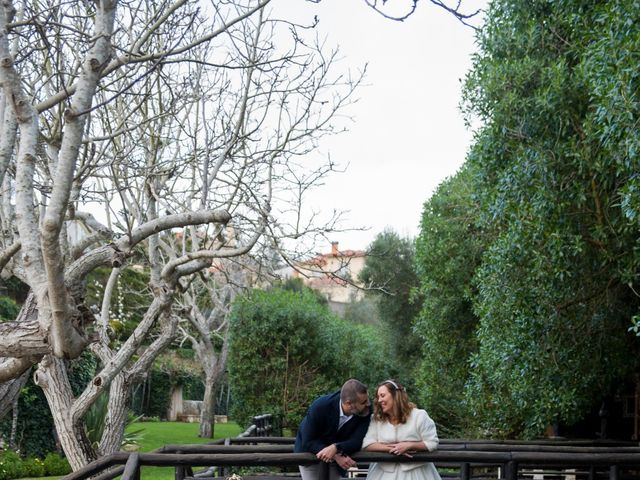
(418, 427)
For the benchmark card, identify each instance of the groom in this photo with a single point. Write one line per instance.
(334, 428)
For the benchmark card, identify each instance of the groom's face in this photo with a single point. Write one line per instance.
(360, 406)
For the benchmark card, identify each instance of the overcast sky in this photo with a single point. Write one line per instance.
(408, 134)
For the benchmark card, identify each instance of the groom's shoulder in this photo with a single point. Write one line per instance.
(328, 399)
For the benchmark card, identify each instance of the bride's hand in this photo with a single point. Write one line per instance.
(400, 448)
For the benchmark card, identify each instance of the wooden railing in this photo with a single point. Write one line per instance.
(261, 426)
(461, 459)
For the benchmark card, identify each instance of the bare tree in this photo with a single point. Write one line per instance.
(406, 8)
(207, 308)
(124, 128)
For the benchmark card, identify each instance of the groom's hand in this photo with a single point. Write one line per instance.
(327, 453)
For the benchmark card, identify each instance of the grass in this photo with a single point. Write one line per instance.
(158, 434)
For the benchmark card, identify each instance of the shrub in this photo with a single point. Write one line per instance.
(287, 348)
(55, 465)
(276, 358)
(10, 465)
(94, 419)
(149, 419)
(33, 467)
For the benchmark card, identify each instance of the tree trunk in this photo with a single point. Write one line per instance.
(14, 425)
(51, 376)
(10, 391)
(214, 365)
(207, 417)
(116, 419)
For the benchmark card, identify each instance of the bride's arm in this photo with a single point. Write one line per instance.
(371, 442)
(378, 447)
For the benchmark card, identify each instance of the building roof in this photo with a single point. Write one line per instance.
(322, 259)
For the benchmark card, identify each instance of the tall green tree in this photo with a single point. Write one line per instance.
(555, 86)
(448, 251)
(389, 274)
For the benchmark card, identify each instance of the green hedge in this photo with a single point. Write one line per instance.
(286, 348)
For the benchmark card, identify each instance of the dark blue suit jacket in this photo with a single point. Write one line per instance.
(320, 428)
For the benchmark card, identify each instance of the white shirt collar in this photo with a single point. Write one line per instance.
(343, 417)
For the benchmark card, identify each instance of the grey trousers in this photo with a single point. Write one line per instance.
(313, 472)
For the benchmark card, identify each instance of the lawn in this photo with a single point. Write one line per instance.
(158, 434)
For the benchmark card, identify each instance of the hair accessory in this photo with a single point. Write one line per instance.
(394, 384)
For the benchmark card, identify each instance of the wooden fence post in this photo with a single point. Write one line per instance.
(614, 472)
(511, 470)
(465, 471)
(179, 470)
(132, 467)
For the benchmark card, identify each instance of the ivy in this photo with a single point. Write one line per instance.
(36, 433)
(9, 309)
(153, 397)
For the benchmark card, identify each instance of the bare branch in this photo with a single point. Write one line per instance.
(455, 10)
(14, 367)
(8, 254)
(133, 58)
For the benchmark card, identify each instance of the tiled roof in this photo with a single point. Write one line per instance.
(322, 258)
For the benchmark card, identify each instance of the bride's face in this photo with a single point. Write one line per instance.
(385, 399)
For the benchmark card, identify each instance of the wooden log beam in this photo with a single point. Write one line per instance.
(97, 466)
(261, 456)
(231, 449)
(575, 443)
(568, 459)
(294, 459)
(490, 447)
(233, 459)
(109, 474)
(245, 440)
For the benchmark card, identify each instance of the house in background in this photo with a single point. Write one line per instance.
(334, 275)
